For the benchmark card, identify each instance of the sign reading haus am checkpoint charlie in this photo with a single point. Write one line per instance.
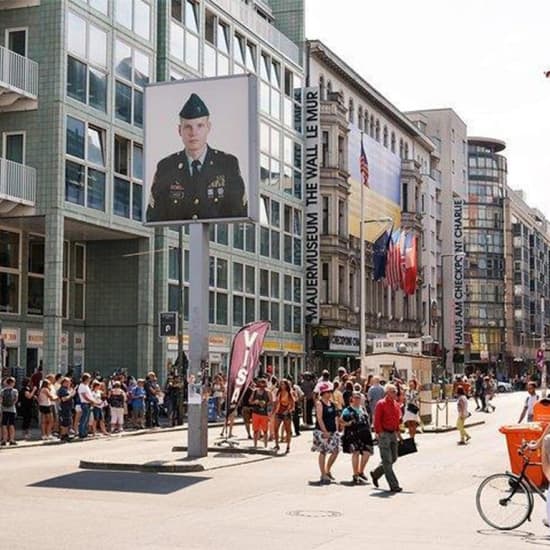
(201, 151)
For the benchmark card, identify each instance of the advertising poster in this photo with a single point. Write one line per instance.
(383, 194)
(201, 151)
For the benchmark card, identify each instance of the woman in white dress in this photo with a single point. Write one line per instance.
(411, 418)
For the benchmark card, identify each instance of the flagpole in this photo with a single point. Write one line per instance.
(362, 300)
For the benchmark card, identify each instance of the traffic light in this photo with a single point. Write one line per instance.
(168, 324)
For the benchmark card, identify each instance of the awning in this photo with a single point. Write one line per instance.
(339, 354)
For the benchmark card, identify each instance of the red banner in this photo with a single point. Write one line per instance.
(245, 353)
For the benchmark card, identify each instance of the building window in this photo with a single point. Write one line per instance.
(86, 63)
(342, 226)
(79, 281)
(14, 147)
(35, 279)
(385, 136)
(377, 131)
(351, 111)
(184, 32)
(85, 164)
(325, 149)
(322, 91)
(135, 15)
(244, 294)
(128, 178)
(393, 142)
(10, 271)
(244, 237)
(17, 41)
(100, 5)
(218, 281)
(216, 45)
(325, 216)
(132, 70)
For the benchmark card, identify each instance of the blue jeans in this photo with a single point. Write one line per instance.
(84, 419)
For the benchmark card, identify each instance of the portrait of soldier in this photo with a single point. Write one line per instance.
(198, 182)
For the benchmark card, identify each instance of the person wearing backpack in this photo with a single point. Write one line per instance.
(9, 402)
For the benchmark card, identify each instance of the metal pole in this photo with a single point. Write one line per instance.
(544, 381)
(362, 337)
(198, 340)
(443, 348)
(180, 302)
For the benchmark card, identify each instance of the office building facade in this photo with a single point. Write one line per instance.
(82, 280)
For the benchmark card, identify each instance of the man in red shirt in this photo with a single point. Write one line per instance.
(387, 418)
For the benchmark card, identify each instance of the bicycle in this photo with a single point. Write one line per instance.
(505, 501)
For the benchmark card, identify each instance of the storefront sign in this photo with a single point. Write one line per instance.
(344, 340)
(79, 341)
(293, 347)
(11, 337)
(397, 335)
(384, 345)
(458, 273)
(35, 338)
(312, 199)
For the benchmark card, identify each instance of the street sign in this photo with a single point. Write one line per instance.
(168, 324)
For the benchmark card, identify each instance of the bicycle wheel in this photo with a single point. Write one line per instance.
(503, 501)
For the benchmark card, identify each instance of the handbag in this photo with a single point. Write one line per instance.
(412, 408)
(406, 447)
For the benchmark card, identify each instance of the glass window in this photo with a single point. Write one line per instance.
(275, 284)
(35, 301)
(275, 316)
(264, 282)
(238, 49)
(123, 12)
(9, 293)
(79, 301)
(36, 255)
(122, 156)
(76, 79)
(96, 152)
(9, 249)
(142, 17)
(287, 321)
(80, 267)
(141, 68)
(100, 5)
(75, 145)
(177, 11)
(96, 189)
(223, 38)
(192, 50)
(123, 102)
(98, 46)
(238, 313)
(74, 182)
(15, 147)
(123, 60)
(121, 202)
(238, 276)
(76, 35)
(192, 15)
(250, 310)
(221, 308)
(251, 57)
(138, 108)
(176, 41)
(250, 282)
(275, 245)
(221, 273)
(137, 165)
(97, 92)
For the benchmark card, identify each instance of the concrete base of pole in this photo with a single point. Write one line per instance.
(197, 432)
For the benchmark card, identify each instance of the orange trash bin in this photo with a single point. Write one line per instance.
(516, 434)
(541, 411)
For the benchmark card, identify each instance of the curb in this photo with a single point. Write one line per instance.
(147, 467)
(233, 450)
(445, 429)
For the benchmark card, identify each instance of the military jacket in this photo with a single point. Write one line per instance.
(216, 192)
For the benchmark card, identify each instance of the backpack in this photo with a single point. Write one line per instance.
(8, 398)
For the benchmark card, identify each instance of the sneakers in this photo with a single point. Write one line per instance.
(396, 489)
(363, 477)
(325, 480)
(13, 442)
(3, 443)
(330, 476)
(461, 442)
(358, 480)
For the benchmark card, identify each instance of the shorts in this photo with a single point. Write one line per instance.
(78, 408)
(45, 409)
(8, 419)
(65, 419)
(283, 416)
(260, 422)
(98, 414)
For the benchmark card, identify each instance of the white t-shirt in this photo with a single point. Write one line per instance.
(530, 403)
(85, 394)
(462, 405)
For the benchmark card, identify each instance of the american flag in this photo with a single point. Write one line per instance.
(364, 166)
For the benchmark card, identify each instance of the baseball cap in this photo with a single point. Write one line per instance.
(325, 387)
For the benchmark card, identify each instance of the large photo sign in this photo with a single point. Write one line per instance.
(458, 272)
(201, 151)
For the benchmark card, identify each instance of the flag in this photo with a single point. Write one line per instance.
(245, 352)
(393, 267)
(411, 264)
(380, 254)
(364, 166)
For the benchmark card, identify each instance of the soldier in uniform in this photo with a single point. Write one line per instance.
(198, 182)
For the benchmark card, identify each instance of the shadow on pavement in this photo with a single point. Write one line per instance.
(128, 482)
(511, 534)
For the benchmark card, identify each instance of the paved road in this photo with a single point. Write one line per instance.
(48, 503)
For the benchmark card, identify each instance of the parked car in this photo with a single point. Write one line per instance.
(504, 387)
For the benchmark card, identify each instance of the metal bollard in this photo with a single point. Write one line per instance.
(446, 412)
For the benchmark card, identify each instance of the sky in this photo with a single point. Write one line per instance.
(484, 58)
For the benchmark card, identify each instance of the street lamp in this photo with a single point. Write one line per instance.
(444, 348)
(362, 293)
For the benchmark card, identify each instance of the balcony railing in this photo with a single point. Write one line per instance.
(17, 182)
(250, 19)
(17, 73)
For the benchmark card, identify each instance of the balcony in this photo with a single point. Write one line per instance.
(17, 188)
(18, 82)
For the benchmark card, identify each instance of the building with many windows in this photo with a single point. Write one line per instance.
(82, 280)
(350, 105)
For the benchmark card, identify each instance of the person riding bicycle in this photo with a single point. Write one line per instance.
(544, 442)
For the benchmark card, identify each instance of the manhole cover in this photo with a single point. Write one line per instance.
(314, 513)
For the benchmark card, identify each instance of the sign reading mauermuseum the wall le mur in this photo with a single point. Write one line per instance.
(458, 272)
(312, 199)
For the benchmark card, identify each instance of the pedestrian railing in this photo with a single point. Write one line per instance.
(19, 73)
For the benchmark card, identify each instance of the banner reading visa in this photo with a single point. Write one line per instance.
(245, 353)
(201, 151)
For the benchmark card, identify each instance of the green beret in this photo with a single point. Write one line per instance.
(194, 108)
